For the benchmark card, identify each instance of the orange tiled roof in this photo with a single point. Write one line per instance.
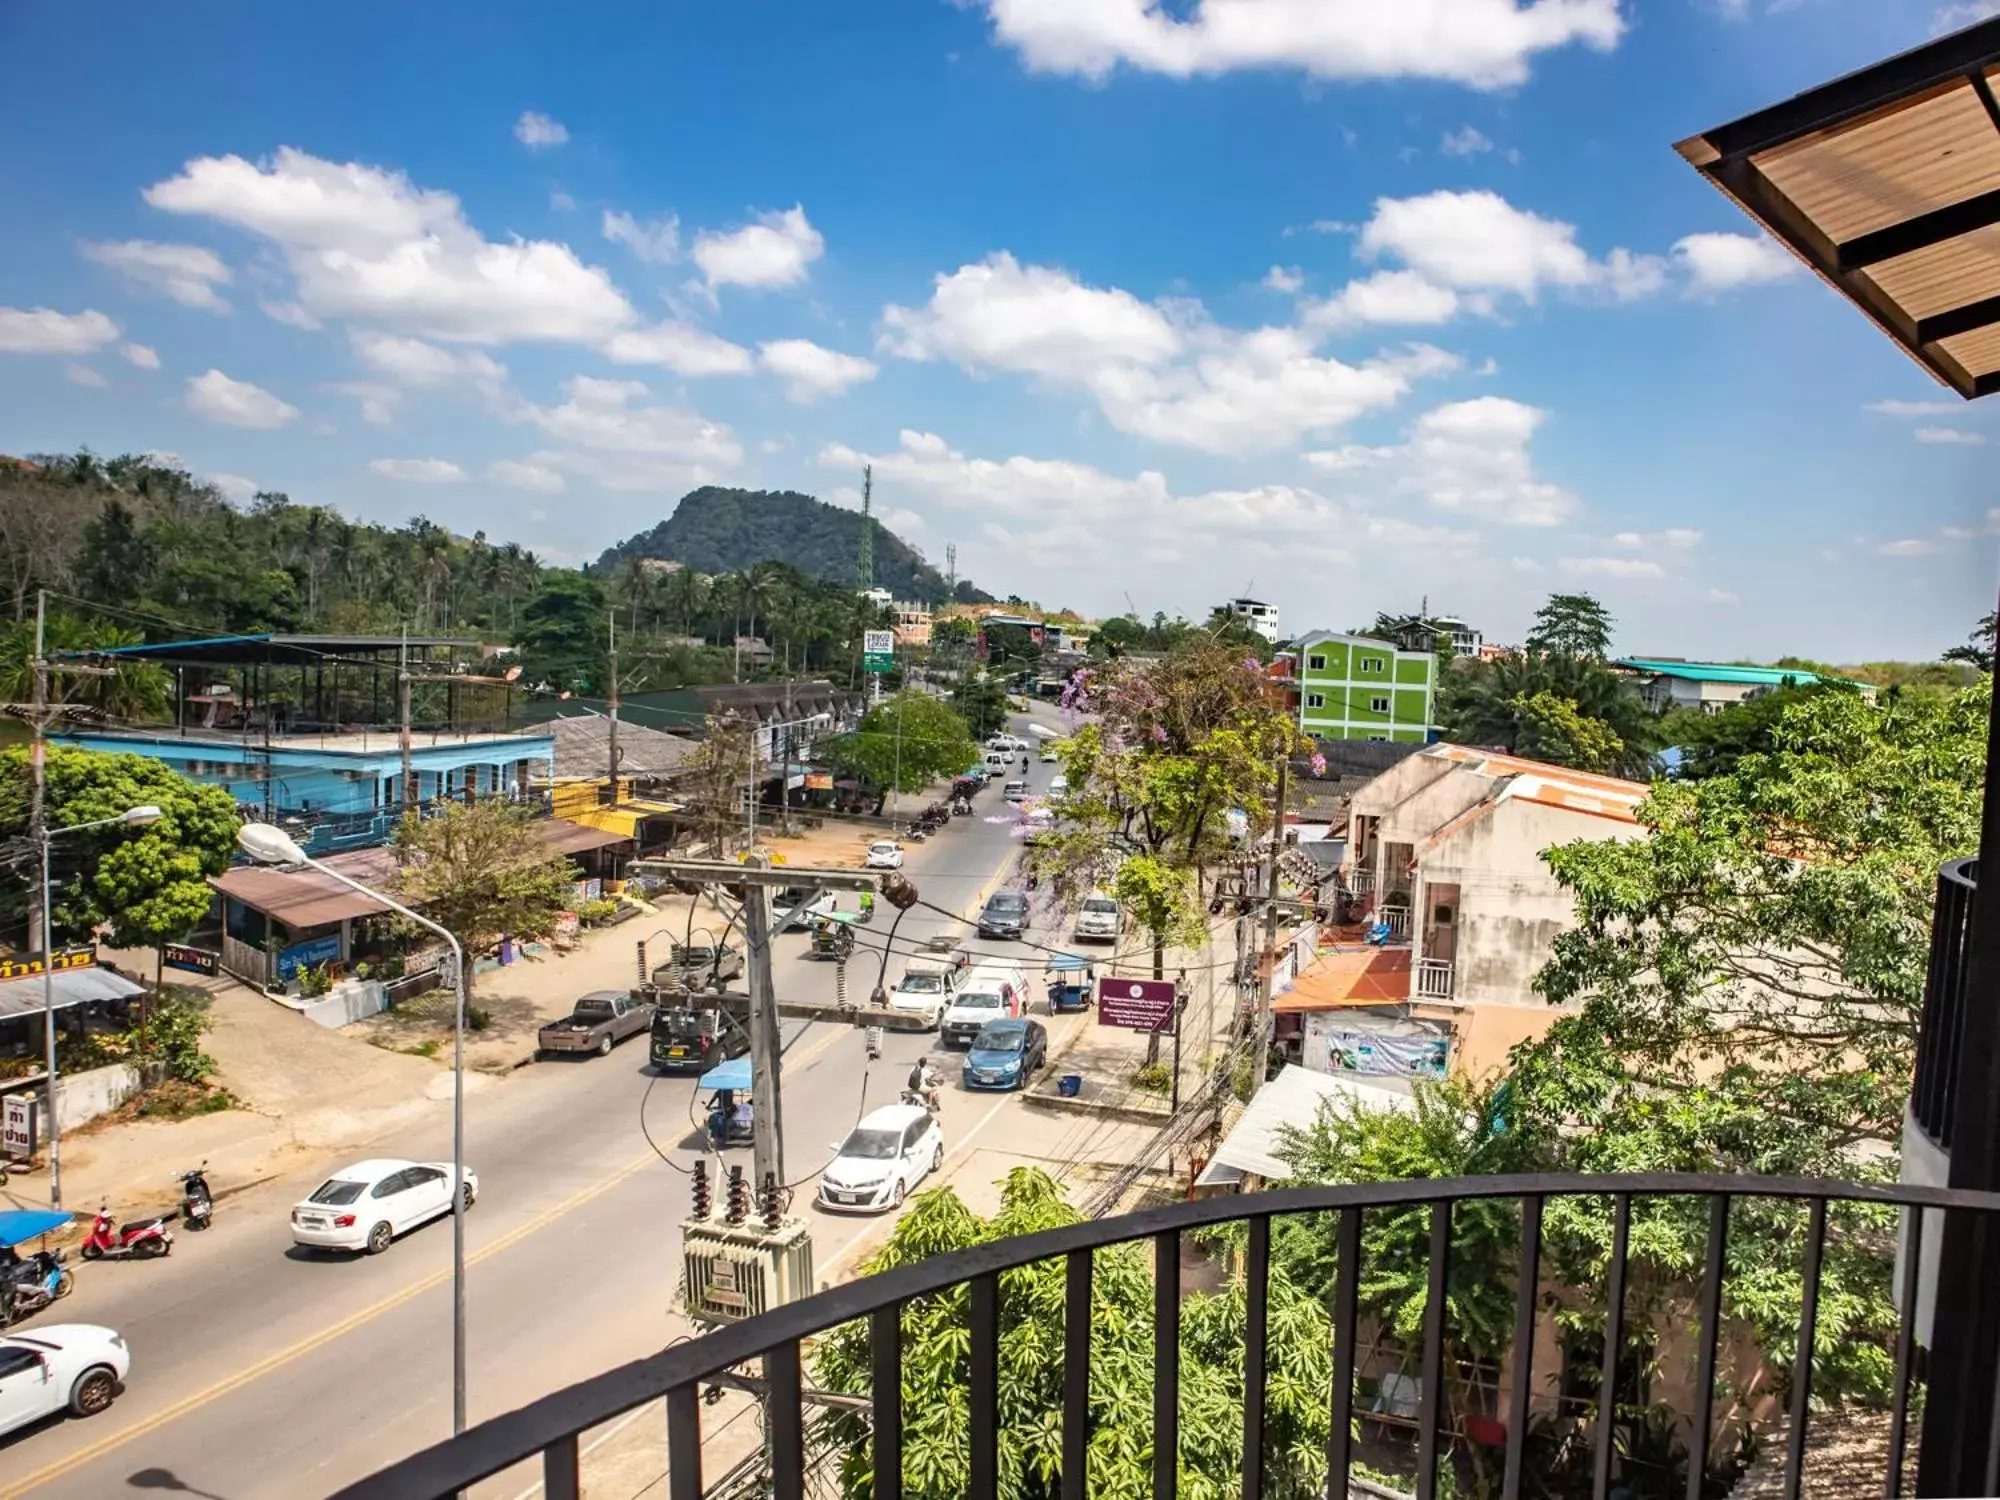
(1366, 976)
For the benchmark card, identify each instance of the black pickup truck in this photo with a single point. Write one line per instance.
(600, 1021)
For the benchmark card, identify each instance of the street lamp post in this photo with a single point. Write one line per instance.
(273, 846)
(132, 816)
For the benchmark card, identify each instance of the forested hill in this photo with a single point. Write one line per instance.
(717, 530)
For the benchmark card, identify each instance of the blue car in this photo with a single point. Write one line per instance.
(1004, 1054)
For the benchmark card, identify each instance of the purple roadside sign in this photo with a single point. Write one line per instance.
(1136, 1004)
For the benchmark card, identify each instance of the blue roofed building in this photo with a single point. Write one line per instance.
(1710, 687)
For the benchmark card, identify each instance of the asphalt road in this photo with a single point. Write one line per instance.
(260, 1370)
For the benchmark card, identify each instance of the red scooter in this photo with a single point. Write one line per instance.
(140, 1239)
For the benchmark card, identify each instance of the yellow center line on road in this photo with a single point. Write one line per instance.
(319, 1340)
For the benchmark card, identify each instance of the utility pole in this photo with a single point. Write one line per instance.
(951, 572)
(1270, 964)
(785, 772)
(409, 781)
(768, 1125)
(38, 759)
(611, 699)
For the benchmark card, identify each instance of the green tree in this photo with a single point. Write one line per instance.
(936, 1369)
(563, 637)
(1978, 648)
(713, 780)
(1777, 916)
(1573, 625)
(981, 700)
(907, 742)
(1712, 744)
(1492, 703)
(135, 690)
(147, 884)
(478, 871)
(1554, 729)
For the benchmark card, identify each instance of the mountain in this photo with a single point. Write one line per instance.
(717, 530)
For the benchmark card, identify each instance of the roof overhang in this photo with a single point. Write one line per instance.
(1887, 184)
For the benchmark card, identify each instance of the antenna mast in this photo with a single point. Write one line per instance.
(951, 572)
(867, 568)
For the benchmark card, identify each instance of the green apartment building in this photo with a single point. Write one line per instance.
(1355, 688)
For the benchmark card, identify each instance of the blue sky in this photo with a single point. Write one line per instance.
(1340, 303)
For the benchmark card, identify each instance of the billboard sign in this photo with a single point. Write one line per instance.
(878, 650)
(1136, 1004)
(194, 960)
(17, 1125)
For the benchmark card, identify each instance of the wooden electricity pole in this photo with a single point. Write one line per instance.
(1270, 962)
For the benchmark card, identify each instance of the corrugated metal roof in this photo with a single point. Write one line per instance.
(1293, 1098)
(1714, 671)
(23, 997)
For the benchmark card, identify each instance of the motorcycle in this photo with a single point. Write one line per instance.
(197, 1202)
(34, 1284)
(138, 1239)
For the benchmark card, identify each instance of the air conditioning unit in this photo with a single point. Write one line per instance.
(736, 1271)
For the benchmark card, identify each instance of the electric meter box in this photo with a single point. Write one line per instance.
(736, 1271)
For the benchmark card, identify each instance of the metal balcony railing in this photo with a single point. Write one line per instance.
(1433, 979)
(1933, 1091)
(548, 1430)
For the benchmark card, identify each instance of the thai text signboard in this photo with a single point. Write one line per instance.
(1136, 1004)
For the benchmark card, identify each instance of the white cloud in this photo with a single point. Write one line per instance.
(236, 402)
(1723, 596)
(366, 243)
(291, 315)
(561, 202)
(1952, 17)
(1610, 567)
(655, 242)
(1894, 408)
(1949, 435)
(775, 251)
(812, 372)
(520, 476)
(1483, 43)
(1285, 279)
(1465, 141)
(999, 315)
(234, 486)
(1673, 539)
(187, 273)
(1470, 457)
(413, 362)
(621, 442)
(418, 470)
(141, 355)
(83, 375)
(1479, 242)
(46, 331)
(1385, 297)
(1723, 262)
(537, 131)
(680, 347)
(1524, 565)
(378, 402)
(1911, 547)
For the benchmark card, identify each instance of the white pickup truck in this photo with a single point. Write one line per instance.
(928, 987)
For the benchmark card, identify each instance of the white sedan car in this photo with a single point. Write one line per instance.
(885, 854)
(887, 1154)
(75, 1367)
(365, 1206)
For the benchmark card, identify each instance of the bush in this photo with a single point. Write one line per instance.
(315, 980)
(1153, 1078)
(593, 912)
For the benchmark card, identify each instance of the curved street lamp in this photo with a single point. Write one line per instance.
(271, 845)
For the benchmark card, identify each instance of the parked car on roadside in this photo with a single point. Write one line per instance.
(1005, 1053)
(597, 1023)
(365, 1206)
(888, 1153)
(75, 1367)
(699, 966)
(885, 854)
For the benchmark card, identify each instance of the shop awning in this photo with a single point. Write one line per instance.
(624, 818)
(23, 997)
(568, 836)
(1366, 976)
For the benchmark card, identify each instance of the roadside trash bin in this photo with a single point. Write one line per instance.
(506, 950)
(1070, 1085)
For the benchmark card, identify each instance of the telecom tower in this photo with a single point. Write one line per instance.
(951, 572)
(867, 568)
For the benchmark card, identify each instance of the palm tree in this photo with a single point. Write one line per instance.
(763, 587)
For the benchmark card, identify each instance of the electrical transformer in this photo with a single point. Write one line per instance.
(736, 1271)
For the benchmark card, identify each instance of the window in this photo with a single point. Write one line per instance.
(1315, 700)
(1373, 664)
(1378, 705)
(389, 1186)
(1315, 663)
(15, 1360)
(914, 1136)
(1378, 739)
